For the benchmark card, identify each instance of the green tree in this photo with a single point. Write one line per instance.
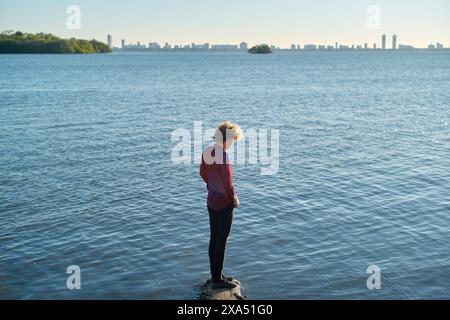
(260, 49)
(19, 42)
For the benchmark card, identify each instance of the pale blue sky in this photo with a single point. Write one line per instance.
(280, 22)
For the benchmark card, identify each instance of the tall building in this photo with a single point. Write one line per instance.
(243, 46)
(109, 41)
(374, 46)
(224, 47)
(309, 47)
(383, 42)
(394, 42)
(123, 43)
(154, 46)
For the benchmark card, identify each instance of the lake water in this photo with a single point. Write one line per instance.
(86, 176)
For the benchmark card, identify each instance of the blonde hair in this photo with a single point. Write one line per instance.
(227, 131)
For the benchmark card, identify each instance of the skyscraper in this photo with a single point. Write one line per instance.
(110, 41)
(123, 43)
(394, 42)
(383, 42)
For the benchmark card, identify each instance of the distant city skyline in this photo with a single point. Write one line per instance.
(418, 23)
(384, 45)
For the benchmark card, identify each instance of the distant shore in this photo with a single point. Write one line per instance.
(134, 50)
(19, 42)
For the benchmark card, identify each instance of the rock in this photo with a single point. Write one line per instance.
(210, 293)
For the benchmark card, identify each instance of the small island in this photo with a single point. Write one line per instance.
(19, 42)
(260, 49)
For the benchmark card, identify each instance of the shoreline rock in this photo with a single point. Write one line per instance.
(210, 293)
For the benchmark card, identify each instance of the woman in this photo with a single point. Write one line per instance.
(217, 171)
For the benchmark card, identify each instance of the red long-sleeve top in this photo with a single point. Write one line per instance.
(218, 176)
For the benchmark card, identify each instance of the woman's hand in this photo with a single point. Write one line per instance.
(236, 202)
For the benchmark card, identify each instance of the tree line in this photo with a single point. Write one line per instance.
(19, 42)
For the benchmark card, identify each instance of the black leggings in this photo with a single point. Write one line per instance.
(220, 224)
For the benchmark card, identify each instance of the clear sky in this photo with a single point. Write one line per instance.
(279, 22)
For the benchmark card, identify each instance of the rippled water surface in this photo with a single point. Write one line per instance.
(86, 176)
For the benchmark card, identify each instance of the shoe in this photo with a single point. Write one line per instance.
(224, 284)
(227, 278)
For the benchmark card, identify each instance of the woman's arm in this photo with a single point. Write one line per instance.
(203, 173)
(227, 169)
